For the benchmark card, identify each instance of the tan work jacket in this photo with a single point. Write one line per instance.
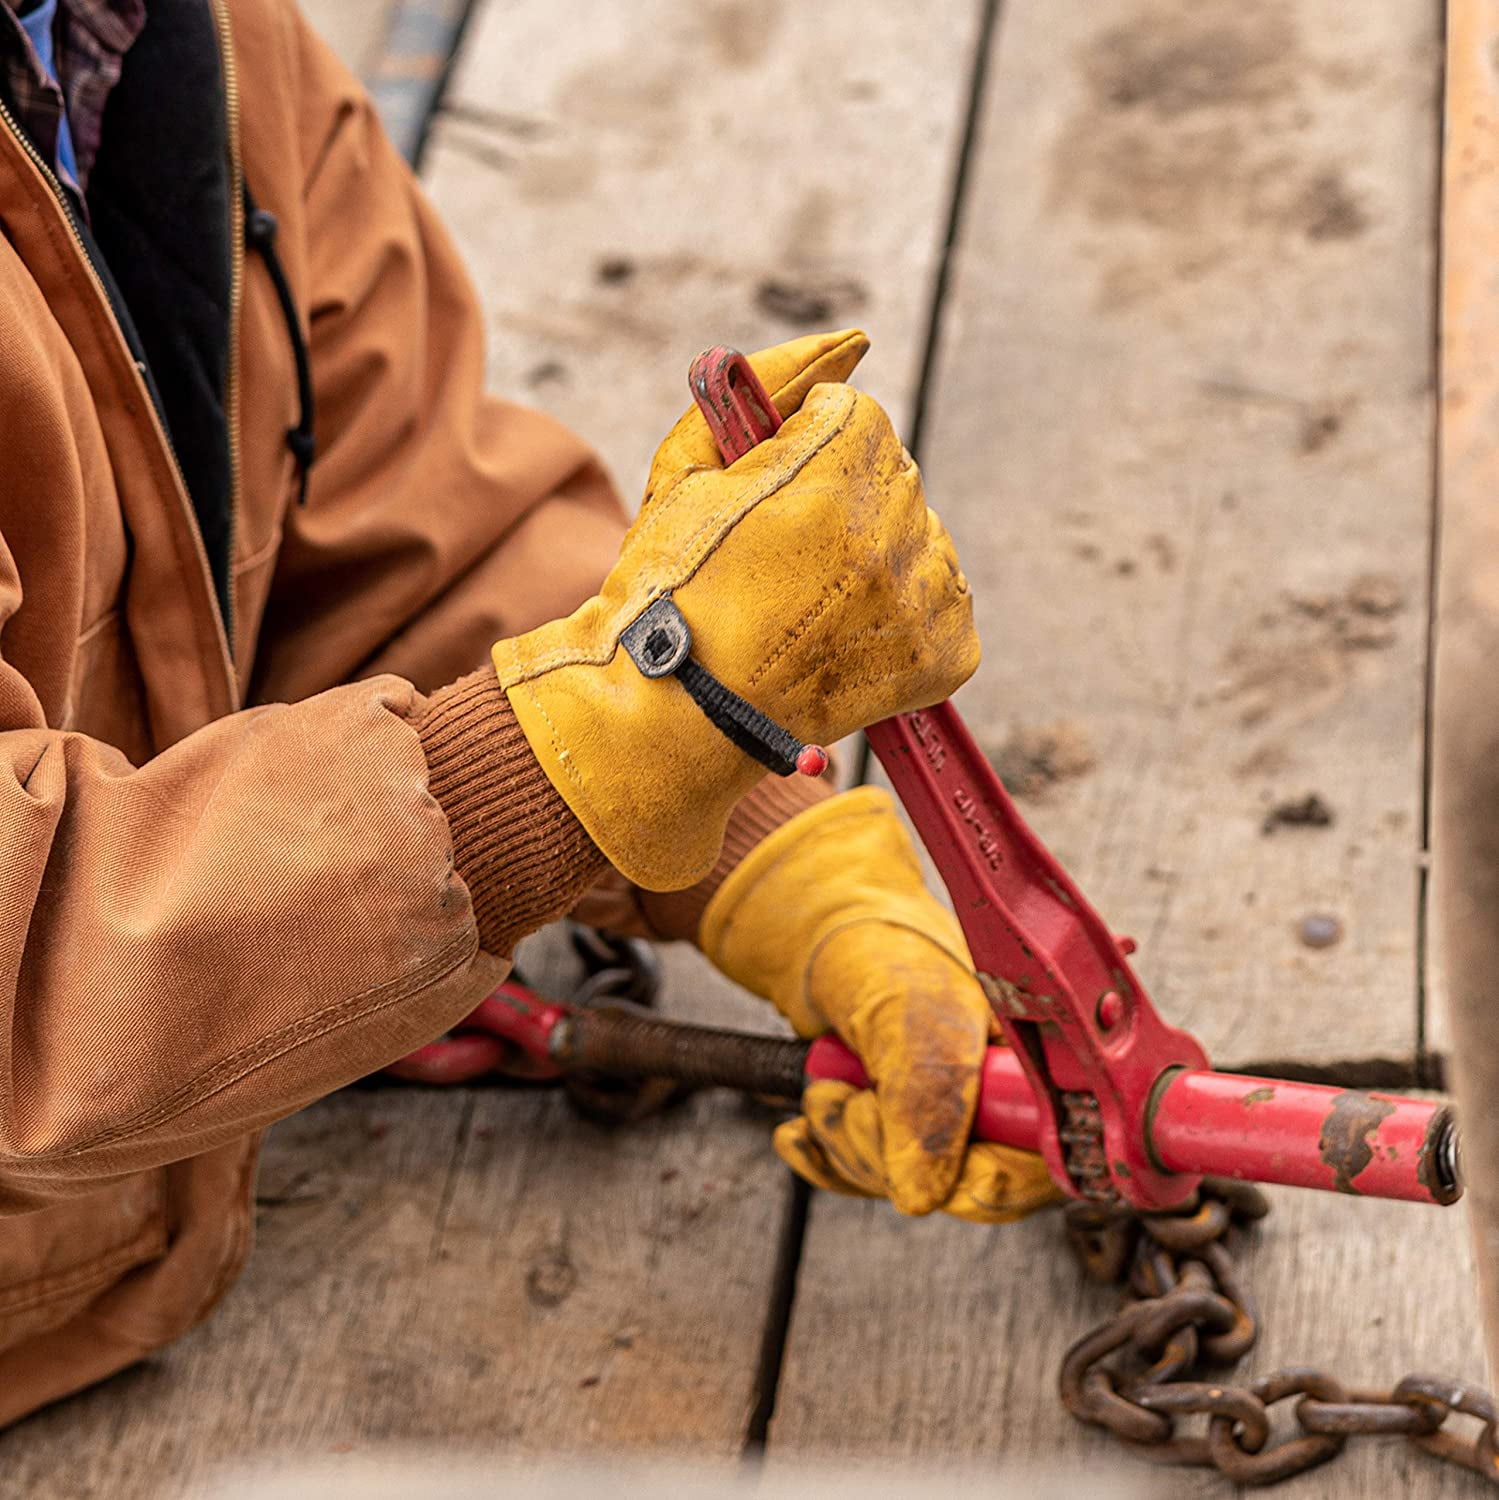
(224, 886)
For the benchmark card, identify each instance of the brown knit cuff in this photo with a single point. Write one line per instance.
(772, 801)
(523, 855)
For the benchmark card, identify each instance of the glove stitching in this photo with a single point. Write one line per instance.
(800, 628)
(814, 439)
(851, 646)
(564, 756)
(714, 528)
(584, 808)
(699, 545)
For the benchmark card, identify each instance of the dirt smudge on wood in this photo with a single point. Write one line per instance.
(1193, 124)
(809, 299)
(1330, 210)
(1178, 60)
(1309, 811)
(552, 1278)
(1299, 657)
(1038, 757)
(740, 31)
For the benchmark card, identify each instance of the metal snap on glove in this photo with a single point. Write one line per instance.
(830, 920)
(814, 590)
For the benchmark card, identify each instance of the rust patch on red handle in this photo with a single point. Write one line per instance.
(1346, 1143)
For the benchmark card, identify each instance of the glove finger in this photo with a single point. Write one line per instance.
(838, 1145)
(788, 372)
(798, 1148)
(999, 1184)
(925, 1058)
(950, 645)
(845, 1123)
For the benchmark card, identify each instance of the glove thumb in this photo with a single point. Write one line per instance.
(788, 371)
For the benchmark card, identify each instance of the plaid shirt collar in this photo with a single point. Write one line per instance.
(92, 39)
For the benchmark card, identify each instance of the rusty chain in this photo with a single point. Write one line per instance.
(1188, 1312)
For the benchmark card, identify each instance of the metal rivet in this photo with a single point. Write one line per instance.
(658, 640)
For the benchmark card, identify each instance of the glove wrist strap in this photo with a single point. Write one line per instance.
(659, 642)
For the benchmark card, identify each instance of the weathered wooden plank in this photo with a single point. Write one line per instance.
(1182, 432)
(941, 1338)
(483, 1268)
(655, 178)
(441, 1475)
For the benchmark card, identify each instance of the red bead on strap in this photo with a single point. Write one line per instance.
(811, 760)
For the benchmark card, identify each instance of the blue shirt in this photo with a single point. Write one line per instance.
(38, 24)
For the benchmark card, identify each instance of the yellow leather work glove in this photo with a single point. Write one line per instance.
(815, 583)
(830, 920)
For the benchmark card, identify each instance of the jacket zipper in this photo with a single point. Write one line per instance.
(236, 292)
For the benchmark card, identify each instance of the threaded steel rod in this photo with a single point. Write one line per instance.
(625, 1043)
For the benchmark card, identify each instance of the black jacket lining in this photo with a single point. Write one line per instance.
(159, 202)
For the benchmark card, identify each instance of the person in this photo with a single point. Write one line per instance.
(317, 694)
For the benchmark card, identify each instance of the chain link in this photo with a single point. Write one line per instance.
(1187, 1312)
(1081, 1135)
(615, 969)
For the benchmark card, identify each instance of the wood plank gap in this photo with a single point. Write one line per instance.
(1424, 890)
(783, 1293)
(978, 76)
(434, 103)
(1196, 341)
(450, 1177)
(778, 1317)
(1389, 1073)
(978, 82)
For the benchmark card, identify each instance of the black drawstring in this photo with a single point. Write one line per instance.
(757, 734)
(260, 236)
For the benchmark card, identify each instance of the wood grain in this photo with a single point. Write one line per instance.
(1182, 432)
(647, 180)
(1181, 427)
(483, 1269)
